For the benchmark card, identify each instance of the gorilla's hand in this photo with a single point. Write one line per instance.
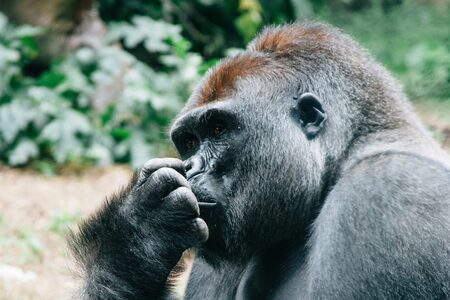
(161, 204)
(130, 246)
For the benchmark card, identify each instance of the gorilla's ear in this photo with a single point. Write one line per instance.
(311, 114)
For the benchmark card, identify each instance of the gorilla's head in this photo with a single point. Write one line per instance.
(264, 133)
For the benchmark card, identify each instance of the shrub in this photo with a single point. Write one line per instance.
(101, 105)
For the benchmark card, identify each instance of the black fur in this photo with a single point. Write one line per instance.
(314, 177)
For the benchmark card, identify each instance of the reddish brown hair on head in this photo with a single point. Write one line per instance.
(280, 41)
(221, 80)
(285, 38)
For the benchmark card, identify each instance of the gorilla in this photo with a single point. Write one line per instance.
(303, 174)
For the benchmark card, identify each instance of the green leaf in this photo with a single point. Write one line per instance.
(8, 56)
(248, 24)
(50, 79)
(85, 56)
(24, 151)
(69, 123)
(3, 22)
(45, 167)
(14, 117)
(181, 47)
(121, 133)
(100, 154)
(62, 132)
(154, 35)
(107, 114)
(250, 20)
(74, 79)
(28, 31)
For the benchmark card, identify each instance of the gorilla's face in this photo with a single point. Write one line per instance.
(249, 169)
(209, 140)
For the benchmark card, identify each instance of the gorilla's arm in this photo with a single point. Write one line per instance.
(379, 233)
(129, 247)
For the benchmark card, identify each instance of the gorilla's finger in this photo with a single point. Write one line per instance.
(159, 184)
(182, 201)
(157, 163)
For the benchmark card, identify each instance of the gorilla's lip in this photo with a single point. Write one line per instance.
(204, 197)
(207, 204)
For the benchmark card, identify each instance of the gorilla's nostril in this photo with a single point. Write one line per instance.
(194, 166)
(188, 165)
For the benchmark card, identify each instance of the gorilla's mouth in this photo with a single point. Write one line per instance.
(207, 201)
(205, 193)
(212, 203)
(206, 204)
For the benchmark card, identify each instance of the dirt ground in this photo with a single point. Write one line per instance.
(35, 211)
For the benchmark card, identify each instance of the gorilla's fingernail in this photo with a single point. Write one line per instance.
(202, 229)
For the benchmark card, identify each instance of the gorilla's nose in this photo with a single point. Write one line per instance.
(194, 166)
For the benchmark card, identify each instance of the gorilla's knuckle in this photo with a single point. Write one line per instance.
(165, 175)
(184, 198)
(184, 192)
(153, 162)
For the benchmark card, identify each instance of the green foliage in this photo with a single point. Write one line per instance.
(17, 47)
(211, 25)
(250, 19)
(101, 105)
(114, 103)
(411, 39)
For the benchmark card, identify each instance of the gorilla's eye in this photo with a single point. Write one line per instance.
(190, 142)
(218, 130)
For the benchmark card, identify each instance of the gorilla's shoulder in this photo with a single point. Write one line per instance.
(386, 220)
(398, 176)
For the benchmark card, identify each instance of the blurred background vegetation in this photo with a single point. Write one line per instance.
(87, 82)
